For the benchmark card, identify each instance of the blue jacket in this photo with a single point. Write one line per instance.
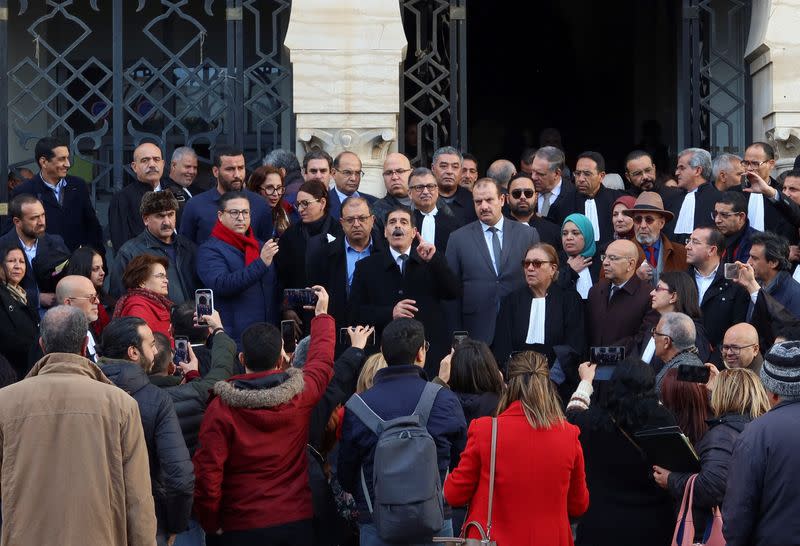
(763, 493)
(200, 215)
(171, 470)
(787, 291)
(335, 208)
(242, 295)
(395, 393)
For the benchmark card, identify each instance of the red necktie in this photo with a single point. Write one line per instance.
(651, 255)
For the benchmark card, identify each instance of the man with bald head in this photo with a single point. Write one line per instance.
(740, 348)
(502, 171)
(619, 311)
(78, 291)
(396, 170)
(123, 214)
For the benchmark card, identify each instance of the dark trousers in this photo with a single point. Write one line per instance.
(297, 533)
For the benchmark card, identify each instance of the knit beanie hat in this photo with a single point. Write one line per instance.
(780, 373)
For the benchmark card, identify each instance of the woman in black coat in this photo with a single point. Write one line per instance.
(19, 318)
(541, 315)
(580, 263)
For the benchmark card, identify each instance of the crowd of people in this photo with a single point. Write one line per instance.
(473, 356)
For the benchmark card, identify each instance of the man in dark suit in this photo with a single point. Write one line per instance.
(405, 282)
(557, 197)
(618, 307)
(446, 167)
(485, 256)
(593, 199)
(521, 200)
(28, 216)
(759, 158)
(694, 206)
(435, 225)
(182, 180)
(66, 200)
(332, 263)
(347, 175)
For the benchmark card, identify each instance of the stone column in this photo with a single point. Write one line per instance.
(773, 52)
(346, 57)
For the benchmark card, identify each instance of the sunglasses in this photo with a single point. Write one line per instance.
(535, 263)
(648, 219)
(516, 194)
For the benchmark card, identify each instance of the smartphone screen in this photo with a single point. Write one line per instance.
(287, 333)
(181, 350)
(731, 271)
(458, 337)
(299, 297)
(203, 303)
(693, 373)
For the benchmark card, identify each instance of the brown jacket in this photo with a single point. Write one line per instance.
(674, 256)
(74, 467)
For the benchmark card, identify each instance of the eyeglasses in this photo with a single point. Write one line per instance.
(637, 174)
(160, 276)
(535, 263)
(654, 333)
(398, 172)
(734, 349)
(350, 220)
(613, 258)
(419, 188)
(516, 194)
(663, 289)
(348, 173)
(304, 204)
(93, 298)
(234, 213)
(272, 190)
(648, 219)
(724, 214)
(754, 164)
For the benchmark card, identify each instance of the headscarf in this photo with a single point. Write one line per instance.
(629, 201)
(584, 225)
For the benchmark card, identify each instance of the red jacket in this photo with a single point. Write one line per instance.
(153, 312)
(539, 480)
(251, 467)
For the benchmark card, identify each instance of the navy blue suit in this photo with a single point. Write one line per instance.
(335, 210)
(200, 215)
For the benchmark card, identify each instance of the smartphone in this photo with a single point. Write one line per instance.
(344, 338)
(203, 304)
(693, 373)
(731, 271)
(298, 297)
(287, 334)
(606, 356)
(181, 350)
(745, 181)
(458, 337)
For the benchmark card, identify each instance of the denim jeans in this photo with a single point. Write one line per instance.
(193, 536)
(369, 534)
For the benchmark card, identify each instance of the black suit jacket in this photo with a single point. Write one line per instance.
(707, 196)
(775, 218)
(724, 304)
(462, 206)
(124, 220)
(445, 225)
(335, 208)
(604, 201)
(74, 219)
(378, 286)
(565, 204)
(49, 246)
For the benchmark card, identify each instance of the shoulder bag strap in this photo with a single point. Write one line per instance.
(426, 400)
(491, 476)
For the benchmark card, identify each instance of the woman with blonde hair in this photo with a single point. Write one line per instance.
(367, 375)
(539, 480)
(736, 399)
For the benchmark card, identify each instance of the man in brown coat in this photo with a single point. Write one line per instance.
(661, 254)
(618, 307)
(74, 468)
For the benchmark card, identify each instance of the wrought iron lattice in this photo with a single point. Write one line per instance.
(714, 75)
(179, 72)
(433, 88)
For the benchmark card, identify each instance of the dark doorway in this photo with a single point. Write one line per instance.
(597, 71)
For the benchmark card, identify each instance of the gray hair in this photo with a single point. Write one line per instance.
(63, 330)
(723, 162)
(182, 152)
(501, 170)
(301, 352)
(282, 159)
(700, 158)
(553, 156)
(680, 328)
(446, 150)
(420, 171)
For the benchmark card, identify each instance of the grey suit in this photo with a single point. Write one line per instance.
(469, 258)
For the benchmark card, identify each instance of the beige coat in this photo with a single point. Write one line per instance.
(74, 467)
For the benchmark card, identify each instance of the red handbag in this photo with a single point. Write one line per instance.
(684, 528)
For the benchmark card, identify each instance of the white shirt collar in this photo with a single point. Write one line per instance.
(396, 255)
(498, 225)
(433, 212)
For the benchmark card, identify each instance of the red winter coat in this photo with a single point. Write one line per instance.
(153, 309)
(251, 467)
(539, 480)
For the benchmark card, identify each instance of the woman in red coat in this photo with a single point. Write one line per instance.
(146, 282)
(539, 478)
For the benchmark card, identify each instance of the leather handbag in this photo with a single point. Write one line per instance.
(684, 528)
(485, 539)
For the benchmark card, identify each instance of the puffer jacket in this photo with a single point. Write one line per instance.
(171, 472)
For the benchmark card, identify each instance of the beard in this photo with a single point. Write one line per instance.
(520, 208)
(228, 185)
(646, 239)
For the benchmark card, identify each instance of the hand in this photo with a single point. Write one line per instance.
(171, 539)
(444, 367)
(712, 378)
(579, 263)
(661, 475)
(292, 315)
(359, 335)
(404, 309)
(794, 253)
(47, 299)
(645, 271)
(193, 363)
(758, 185)
(424, 249)
(322, 300)
(268, 251)
(586, 371)
(747, 278)
(213, 320)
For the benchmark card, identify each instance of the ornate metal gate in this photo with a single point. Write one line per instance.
(106, 75)
(714, 87)
(433, 92)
